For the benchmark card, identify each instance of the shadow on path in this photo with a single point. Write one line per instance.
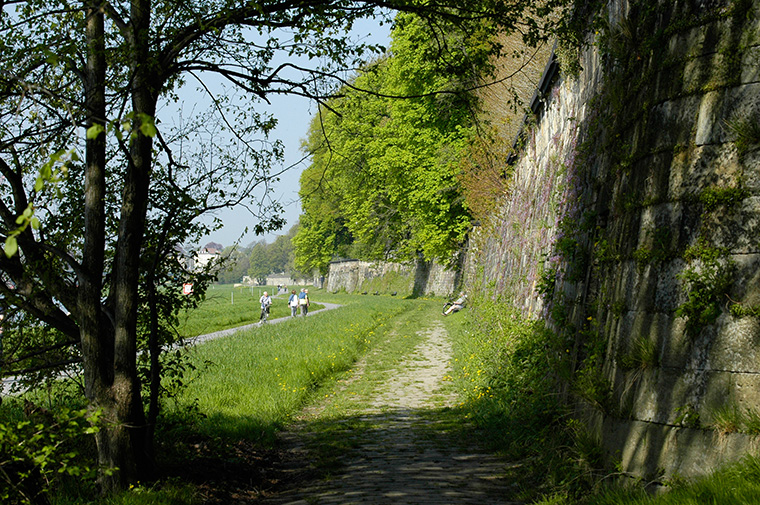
(401, 457)
(398, 444)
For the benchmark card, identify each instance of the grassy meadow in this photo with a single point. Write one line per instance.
(249, 385)
(254, 381)
(227, 307)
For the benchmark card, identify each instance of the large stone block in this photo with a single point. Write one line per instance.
(660, 226)
(666, 395)
(686, 44)
(708, 71)
(623, 229)
(746, 391)
(750, 71)
(717, 394)
(704, 167)
(635, 286)
(750, 29)
(632, 325)
(745, 290)
(735, 228)
(731, 104)
(676, 346)
(697, 372)
(669, 293)
(660, 395)
(657, 182)
(671, 123)
(736, 345)
(751, 163)
(654, 450)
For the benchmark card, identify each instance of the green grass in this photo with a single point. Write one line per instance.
(737, 484)
(340, 422)
(229, 307)
(169, 492)
(257, 379)
(504, 369)
(252, 383)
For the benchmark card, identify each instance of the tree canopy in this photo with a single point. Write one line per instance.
(101, 180)
(383, 182)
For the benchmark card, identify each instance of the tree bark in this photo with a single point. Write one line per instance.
(109, 341)
(96, 339)
(131, 232)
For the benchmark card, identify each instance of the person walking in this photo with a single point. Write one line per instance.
(265, 301)
(293, 303)
(303, 301)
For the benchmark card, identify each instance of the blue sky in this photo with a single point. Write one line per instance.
(294, 115)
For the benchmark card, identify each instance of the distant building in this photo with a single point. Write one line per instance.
(207, 254)
(197, 261)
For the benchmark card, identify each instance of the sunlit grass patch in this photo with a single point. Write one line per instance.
(259, 378)
(227, 306)
(737, 484)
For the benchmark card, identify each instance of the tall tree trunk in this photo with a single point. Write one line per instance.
(131, 232)
(109, 341)
(96, 332)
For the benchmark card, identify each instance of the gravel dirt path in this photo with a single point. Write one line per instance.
(396, 451)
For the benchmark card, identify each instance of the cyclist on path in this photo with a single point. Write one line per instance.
(266, 302)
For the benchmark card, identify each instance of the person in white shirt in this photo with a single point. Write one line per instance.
(293, 303)
(266, 302)
(456, 305)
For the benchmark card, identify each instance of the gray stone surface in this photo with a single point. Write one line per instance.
(648, 161)
(395, 461)
(655, 450)
(428, 278)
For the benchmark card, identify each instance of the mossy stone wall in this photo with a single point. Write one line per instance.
(633, 226)
(384, 278)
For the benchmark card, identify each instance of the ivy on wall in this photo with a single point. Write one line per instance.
(605, 187)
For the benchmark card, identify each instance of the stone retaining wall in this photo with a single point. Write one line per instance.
(421, 278)
(634, 217)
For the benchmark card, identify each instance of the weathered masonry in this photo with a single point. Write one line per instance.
(633, 225)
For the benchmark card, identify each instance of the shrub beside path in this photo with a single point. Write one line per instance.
(391, 447)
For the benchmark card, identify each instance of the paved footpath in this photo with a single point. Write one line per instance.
(225, 333)
(9, 384)
(402, 457)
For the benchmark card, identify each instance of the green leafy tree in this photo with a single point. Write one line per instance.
(384, 176)
(42, 448)
(98, 186)
(259, 263)
(237, 265)
(281, 254)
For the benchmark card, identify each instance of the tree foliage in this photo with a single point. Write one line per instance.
(102, 176)
(274, 258)
(236, 261)
(383, 182)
